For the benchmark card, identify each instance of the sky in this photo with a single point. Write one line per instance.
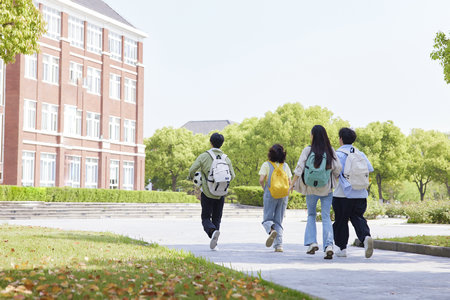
(363, 60)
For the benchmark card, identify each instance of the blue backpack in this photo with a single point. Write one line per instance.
(316, 177)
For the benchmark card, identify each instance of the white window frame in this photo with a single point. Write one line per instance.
(114, 167)
(48, 169)
(31, 66)
(94, 80)
(53, 19)
(73, 171)
(114, 86)
(115, 46)
(130, 90)
(49, 120)
(130, 131)
(128, 175)
(72, 120)
(76, 32)
(75, 72)
(91, 177)
(130, 51)
(28, 167)
(93, 125)
(29, 114)
(94, 39)
(114, 128)
(50, 69)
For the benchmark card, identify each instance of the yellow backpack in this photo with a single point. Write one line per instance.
(278, 181)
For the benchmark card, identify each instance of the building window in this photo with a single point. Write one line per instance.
(91, 173)
(130, 55)
(94, 39)
(53, 19)
(93, 80)
(76, 72)
(73, 171)
(114, 128)
(130, 90)
(128, 175)
(29, 114)
(76, 32)
(72, 120)
(49, 117)
(130, 131)
(114, 86)
(93, 125)
(27, 168)
(51, 69)
(31, 66)
(48, 169)
(115, 46)
(114, 174)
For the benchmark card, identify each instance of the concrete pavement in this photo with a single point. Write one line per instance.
(387, 275)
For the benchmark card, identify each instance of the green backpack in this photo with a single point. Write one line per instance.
(316, 177)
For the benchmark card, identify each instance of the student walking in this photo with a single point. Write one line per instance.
(315, 176)
(217, 172)
(275, 179)
(350, 196)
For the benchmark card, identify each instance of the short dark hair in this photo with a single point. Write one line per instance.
(277, 153)
(216, 140)
(347, 135)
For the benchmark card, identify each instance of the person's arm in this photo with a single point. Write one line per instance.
(262, 180)
(195, 166)
(292, 182)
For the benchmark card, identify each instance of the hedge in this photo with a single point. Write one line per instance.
(253, 195)
(431, 211)
(67, 194)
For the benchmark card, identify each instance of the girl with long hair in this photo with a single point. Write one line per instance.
(318, 183)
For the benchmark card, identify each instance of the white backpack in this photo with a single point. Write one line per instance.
(219, 175)
(356, 170)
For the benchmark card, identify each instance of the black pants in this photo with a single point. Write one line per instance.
(211, 213)
(349, 209)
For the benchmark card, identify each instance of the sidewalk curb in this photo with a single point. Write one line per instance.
(412, 248)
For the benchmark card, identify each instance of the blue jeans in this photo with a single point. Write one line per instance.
(274, 210)
(327, 228)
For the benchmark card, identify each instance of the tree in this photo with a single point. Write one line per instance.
(169, 154)
(385, 146)
(442, 53)
(21, 27)
(427, 157)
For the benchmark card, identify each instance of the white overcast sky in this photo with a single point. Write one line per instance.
(364, 60)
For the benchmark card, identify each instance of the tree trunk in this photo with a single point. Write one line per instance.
(174, 182)
(448, 188)
(380, 192)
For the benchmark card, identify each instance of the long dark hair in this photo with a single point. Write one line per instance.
(277, 153)
(321, 144)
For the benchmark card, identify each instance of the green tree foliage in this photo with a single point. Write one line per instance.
(442, 53)
(290, 125)
(385, 146)
(21, 26)
(169, 154)
(429, 154)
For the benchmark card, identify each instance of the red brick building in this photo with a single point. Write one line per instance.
(72, 115)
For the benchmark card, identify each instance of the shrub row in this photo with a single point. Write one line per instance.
(253, 195)
(67, 194)
(422, 212)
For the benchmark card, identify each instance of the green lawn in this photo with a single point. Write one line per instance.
(50, 263)
(434, 240)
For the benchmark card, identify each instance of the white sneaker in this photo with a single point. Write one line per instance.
(271, 238)
(214, 239)
(368, 246)
(341, 253)
(328, 252)
(312, 248)
(216, 248)
(279, 249)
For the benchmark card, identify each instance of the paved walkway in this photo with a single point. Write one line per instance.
(387, 275)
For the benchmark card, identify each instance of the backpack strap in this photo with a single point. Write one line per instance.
(214, 156)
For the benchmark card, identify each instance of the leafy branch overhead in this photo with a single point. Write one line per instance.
(21, 26)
